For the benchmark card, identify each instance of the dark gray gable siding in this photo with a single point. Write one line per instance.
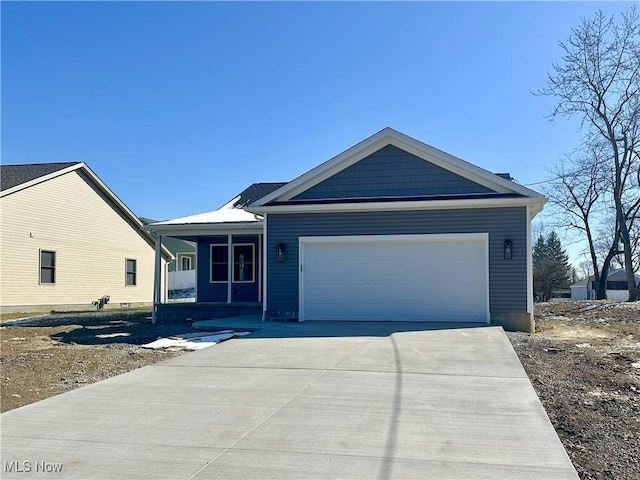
(14, 175)
(507, 278)
(392, 172)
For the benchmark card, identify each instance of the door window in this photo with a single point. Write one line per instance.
(243, 263)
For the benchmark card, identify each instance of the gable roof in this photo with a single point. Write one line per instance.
(14, 175)
(617, 275)
(620, 275)
(20, 177)
(504, 189)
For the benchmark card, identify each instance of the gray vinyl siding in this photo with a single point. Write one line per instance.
(507, 278)
(392, 172)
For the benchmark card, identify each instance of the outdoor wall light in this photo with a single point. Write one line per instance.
(280, 252)
(508, 250)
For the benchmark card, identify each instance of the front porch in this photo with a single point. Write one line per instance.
(229, 260)
(228, 279)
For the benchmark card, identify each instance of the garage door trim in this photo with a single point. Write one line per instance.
(453, 237)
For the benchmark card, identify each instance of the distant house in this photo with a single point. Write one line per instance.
(392, 229)
(617, 287)
(68, 240)
(181, 270)
(184, 252)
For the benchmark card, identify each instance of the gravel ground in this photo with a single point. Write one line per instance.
(583, 361)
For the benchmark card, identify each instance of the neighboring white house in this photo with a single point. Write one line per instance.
(67, 241)
(617, 289)
(579, 290)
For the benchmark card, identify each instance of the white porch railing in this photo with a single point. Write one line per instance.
(182, 280)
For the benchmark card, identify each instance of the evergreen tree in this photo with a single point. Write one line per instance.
(551, 269)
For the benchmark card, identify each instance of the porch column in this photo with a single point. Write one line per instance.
(157, 279)
(260, 268)
(265, 256)
(229, 266)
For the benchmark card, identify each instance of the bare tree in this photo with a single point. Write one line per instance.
(584, 270)
(599, 81)
(575, 193)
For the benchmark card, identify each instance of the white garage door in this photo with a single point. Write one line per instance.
(440, 278)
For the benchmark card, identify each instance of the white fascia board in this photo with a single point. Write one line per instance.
(460, 167)
(124, 209)
(325, 169)
(103, 187)
(204, 229)
(389, 136)
(536, 204)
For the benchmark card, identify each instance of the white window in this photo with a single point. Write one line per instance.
(185, 263)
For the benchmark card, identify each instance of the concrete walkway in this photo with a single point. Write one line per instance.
(301, 401)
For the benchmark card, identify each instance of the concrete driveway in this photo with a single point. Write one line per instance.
(311, 400)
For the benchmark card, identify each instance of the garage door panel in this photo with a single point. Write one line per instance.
(390, 279)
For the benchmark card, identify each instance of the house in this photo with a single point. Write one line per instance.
(181, 270)
(390, 229)
(580, 291)
(617, 288)
(184, 253)
(68, 241)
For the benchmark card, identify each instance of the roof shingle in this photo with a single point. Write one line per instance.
(255, 192)
(14, 175)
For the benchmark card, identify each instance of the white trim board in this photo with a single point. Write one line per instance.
(111, 196)
(535, 204)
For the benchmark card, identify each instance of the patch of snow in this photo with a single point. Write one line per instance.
(187, 294)
(191, 342)
(113, 335)
(225, 214)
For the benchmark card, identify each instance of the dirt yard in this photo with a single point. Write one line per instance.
(42, 357)
(584, 362)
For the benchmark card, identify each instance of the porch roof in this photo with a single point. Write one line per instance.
(230, 218)
(227, 219)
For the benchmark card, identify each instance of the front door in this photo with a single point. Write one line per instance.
(244, 282)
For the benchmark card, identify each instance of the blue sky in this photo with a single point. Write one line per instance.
(178, 106)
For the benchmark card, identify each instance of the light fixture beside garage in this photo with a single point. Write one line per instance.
(280, 252)
(508, 250)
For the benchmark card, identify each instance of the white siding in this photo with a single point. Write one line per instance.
(579, 292)
(618, 295)
(68, 215)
